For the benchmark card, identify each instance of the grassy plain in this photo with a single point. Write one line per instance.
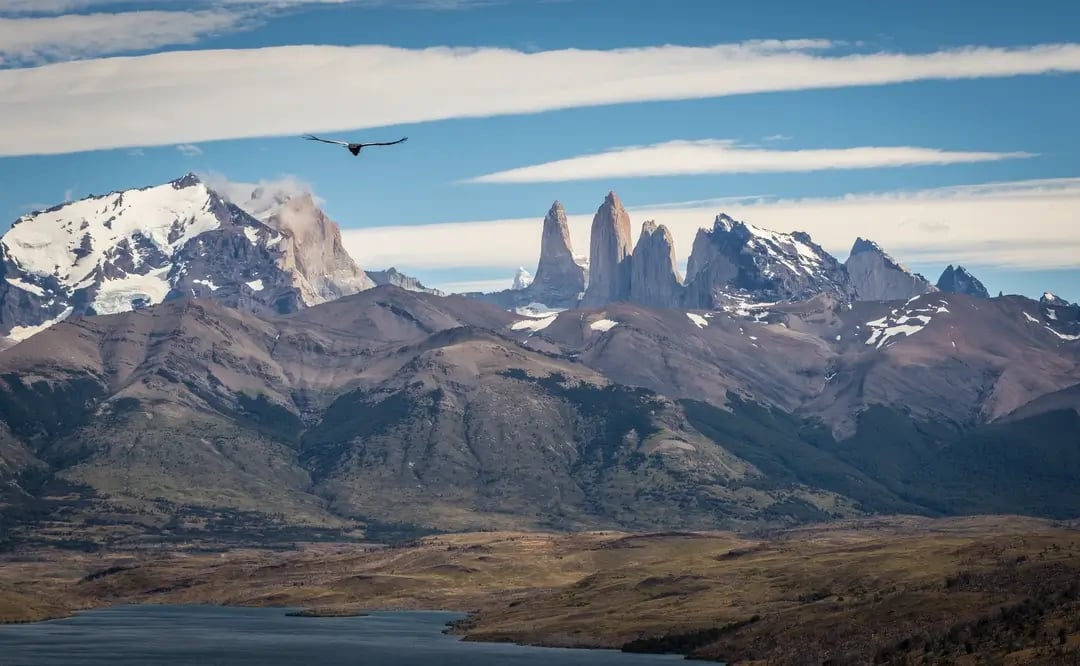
(892, 590)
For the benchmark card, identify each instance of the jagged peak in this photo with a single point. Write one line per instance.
(612, 199)
(522, 279)
(725, 222)
(959, 279)
(1049, 298)
(649, 228)
(865, 245)
(188, 180)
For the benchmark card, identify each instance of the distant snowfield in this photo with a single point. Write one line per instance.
(700, 321)
(537, 310)
(20, 333)
(534, 324)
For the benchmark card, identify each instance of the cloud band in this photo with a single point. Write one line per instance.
(161, 99)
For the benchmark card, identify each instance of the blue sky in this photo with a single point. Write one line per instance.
(840, 118)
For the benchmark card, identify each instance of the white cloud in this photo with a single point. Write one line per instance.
(71, 36)
(776, 137)
(160, 99)
(726, 156)
(1017, 225)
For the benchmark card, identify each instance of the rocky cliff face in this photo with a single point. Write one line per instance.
(127, 250)
(610, 251)
(738, 260)
(959, 281)
(876, 276)
(655, 279)
(320, 268)
(559, 279)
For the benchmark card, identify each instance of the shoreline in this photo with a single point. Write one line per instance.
(450, 628)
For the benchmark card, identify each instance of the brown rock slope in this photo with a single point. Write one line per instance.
(388, 406)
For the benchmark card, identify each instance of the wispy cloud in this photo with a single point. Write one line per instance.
(979, 224)
(47, 7)
(159, 99)
(776, 137)
(189, 150)
(726, 156)
(33, 32)
(29, 41)
(258, 199)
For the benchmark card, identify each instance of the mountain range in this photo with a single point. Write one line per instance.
(188, 365)
(731, 265)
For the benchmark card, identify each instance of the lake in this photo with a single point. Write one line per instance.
(224, 636)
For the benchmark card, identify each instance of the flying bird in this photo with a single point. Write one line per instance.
(355, 148)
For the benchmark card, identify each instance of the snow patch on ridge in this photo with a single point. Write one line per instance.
(603, 325)
(700, 321)
(903, 321)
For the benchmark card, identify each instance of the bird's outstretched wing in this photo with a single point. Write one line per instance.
(387, 143)
(311, 137)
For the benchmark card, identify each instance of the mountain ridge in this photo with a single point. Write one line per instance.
(394, 406)
(131, 248)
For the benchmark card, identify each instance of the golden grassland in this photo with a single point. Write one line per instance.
(900, 590)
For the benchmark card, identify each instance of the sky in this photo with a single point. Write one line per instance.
(946, 132)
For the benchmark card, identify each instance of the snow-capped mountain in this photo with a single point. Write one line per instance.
(737, 259)
(128, 249)
(522, 279)
(1061, 317)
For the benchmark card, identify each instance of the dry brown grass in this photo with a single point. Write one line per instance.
(844, 591)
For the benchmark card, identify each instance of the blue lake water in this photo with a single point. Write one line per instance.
(150, 635)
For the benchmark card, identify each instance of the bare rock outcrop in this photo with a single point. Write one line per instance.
(959, 281)
(610, 252)
(559, 280)
(876, 276)
(655, 279)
